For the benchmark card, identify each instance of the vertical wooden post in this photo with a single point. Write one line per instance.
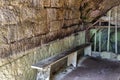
(116, 25)
(72, 59)
(44, 74)
(108, 41)
(95, 40)
(100, 41)
(87, 51)
(100, 38)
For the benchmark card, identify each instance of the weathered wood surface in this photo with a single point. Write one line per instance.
(102, 27)
(54, 59)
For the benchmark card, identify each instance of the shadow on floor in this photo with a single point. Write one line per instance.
(95, 69)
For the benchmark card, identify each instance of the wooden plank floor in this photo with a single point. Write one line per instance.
(95, 69)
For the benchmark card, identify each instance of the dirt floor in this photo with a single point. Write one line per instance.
(95, 69)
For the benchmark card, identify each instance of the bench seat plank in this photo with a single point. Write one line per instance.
(52, 60)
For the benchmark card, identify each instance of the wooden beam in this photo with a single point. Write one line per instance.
(116, 25)
(102, 27)
(55, 59)
(100, 40)
(108, 41)
(95, 40)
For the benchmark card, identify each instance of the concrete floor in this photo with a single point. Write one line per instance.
(95, 69)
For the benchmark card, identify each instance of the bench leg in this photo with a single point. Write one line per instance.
(72, 59)
(87, 51)
(44, 74)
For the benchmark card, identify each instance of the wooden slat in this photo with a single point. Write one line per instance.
(102, 27)
(52, 60)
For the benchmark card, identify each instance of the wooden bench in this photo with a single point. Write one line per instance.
(44, 66)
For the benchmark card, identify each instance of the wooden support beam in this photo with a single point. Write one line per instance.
(44, 74)
(72, 59)
(102, 27)
(95, 40)
(116, 22)
(108, 41)
(100, 40)
(88, 50)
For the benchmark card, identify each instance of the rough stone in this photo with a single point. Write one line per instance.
(25, 26)
(20, 67)
(57, 3)
(56, 25)
(108, 55)
(51, 14)
(118, 57)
